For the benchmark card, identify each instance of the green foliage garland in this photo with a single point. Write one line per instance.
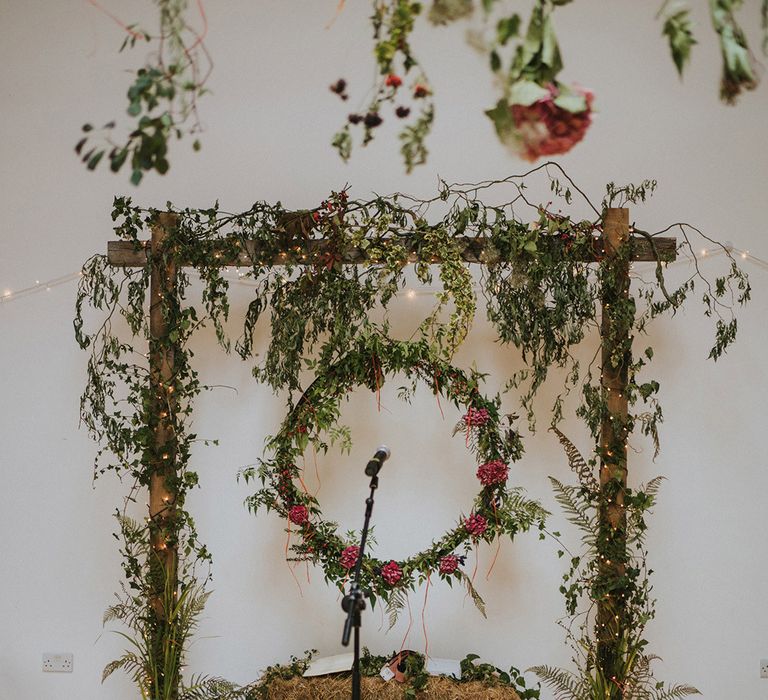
(497, 510)
(320, 272)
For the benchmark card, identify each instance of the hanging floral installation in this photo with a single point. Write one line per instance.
(497, 510)
(318, 273)
(538, 115)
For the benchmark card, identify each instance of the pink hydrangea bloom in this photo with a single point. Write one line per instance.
(546, 129)
(349, 556)
(449, 564)
(494, 472)
(476, 417)
(391, 573)
(475, 524)
(298, 515)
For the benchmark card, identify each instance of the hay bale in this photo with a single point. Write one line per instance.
(338, 687)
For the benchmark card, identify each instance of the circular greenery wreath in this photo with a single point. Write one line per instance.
(497, 509)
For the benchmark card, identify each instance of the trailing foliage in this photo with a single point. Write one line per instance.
(162, 98)
(318, 273)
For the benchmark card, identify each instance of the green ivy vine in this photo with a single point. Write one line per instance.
(318, 273)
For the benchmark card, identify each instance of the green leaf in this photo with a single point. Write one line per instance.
(677, 29)
(571, 102)
(94, 160)
(117, 160)
(495, 61)
(136, 176)
(507, 28)
(526, 92)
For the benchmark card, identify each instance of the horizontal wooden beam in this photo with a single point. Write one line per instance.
(318, 251)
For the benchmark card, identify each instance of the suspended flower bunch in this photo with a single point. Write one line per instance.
(538, 115)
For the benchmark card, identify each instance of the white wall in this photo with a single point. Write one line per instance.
(268, 124)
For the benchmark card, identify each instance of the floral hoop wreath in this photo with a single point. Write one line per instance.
(496, 511)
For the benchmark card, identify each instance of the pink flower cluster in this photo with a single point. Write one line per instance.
(449, 564)
(546, 129)
(495, 472)
(298, 515)
(475, 524)
(476, 417)
(391, 573)
(349, 556)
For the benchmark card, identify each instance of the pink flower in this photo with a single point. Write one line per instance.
(391, 573)
(544, 128)
(449, 564)
(349, 557)
(475, 524)
(298, 515)
(476, 417)
(495, 472)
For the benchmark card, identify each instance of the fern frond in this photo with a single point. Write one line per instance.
(214, 688)
(397, 601)
(577, 463)
(566, 685)
(675, 692)
(128, 661)
(576, 512)
(476, 599)
(653, 486)
(118, 611)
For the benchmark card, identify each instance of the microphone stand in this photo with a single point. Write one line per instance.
(354, 602)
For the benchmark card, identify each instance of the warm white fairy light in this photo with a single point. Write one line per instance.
(9, 295)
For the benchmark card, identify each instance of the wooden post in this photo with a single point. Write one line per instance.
(615, 330)
(163, 581)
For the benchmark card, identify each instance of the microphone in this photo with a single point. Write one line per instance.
(374, 465)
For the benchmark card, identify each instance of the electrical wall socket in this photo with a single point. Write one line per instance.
(763, 668)
(59, 663)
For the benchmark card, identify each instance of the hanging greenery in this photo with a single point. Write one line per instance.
(162, 100)
(497, 510)
(537, 114)
(320, 272)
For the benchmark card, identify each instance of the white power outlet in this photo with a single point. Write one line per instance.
(58, 663)
(763, 668)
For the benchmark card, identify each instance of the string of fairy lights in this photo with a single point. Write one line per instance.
(238, 277)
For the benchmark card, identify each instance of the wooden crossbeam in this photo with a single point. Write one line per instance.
(312, 251)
